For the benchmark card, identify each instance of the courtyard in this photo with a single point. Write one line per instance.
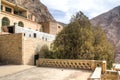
(24, 72)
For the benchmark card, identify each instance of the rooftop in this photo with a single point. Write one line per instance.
(42, 73)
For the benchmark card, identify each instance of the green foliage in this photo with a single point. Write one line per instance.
(44, 51)
(79, 40)
(103, 50)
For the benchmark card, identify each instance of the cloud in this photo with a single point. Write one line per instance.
(62, 10)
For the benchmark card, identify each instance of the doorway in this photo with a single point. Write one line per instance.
(36, 57)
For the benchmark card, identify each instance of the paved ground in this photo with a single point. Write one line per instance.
(40, 73)
(10, 69)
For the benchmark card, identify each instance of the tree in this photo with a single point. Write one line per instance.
(103, 49)
(79, 40)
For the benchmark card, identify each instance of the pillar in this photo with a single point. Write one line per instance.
(104, 66)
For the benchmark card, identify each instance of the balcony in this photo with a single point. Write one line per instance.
(13, 8)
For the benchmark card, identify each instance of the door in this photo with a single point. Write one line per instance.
(36, 57)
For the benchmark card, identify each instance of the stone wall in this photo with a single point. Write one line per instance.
(31, 47)
(110, 75)
(11, 48)
(16, 49)
(52, 27)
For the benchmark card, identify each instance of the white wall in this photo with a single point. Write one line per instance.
(29, 33)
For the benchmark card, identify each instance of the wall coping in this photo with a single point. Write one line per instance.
(96, 74)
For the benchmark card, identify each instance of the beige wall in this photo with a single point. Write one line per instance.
(11, 48)
(51, 27)
(45, 26)
(31, 47)
(16, 49)
(15, 19)
(59, 28)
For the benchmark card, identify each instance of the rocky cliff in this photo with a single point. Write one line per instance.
(36, 8)
(110, 23)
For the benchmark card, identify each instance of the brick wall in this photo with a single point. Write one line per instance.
(11, 48)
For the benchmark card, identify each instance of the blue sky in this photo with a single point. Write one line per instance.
(62, 10)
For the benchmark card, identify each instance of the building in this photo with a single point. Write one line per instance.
(51, 27)
(21, 36)
(12, 14)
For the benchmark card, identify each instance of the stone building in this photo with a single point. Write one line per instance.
(51, 27)
(12, 14)
(21, 36)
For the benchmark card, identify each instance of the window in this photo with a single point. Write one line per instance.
(34, 35)
(20, 23)
(8, 9)
(5, 21)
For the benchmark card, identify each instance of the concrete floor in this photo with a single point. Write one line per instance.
(41, 73)
(11, 69)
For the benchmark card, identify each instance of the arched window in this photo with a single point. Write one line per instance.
(5, 21)
(20, 23)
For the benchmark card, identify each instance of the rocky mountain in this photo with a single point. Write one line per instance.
(36, 8)
(110, 23)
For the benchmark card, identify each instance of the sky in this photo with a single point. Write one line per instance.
(62, 10)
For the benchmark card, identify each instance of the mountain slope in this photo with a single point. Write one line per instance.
(110, 23)
(36, 8)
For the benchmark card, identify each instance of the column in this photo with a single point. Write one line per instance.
(104, 66)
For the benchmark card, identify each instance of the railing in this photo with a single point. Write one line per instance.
(21, 15)
(76, 64)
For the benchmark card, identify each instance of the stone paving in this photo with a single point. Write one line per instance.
(10, 69)
(40, 73)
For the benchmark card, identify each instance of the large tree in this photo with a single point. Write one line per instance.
(79, 40)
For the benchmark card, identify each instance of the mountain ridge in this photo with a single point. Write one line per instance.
(110, 23)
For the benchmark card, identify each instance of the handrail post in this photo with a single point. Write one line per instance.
(104, 66)
(92, 65)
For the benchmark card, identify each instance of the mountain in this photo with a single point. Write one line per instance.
(36, 8)
(110, 23)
